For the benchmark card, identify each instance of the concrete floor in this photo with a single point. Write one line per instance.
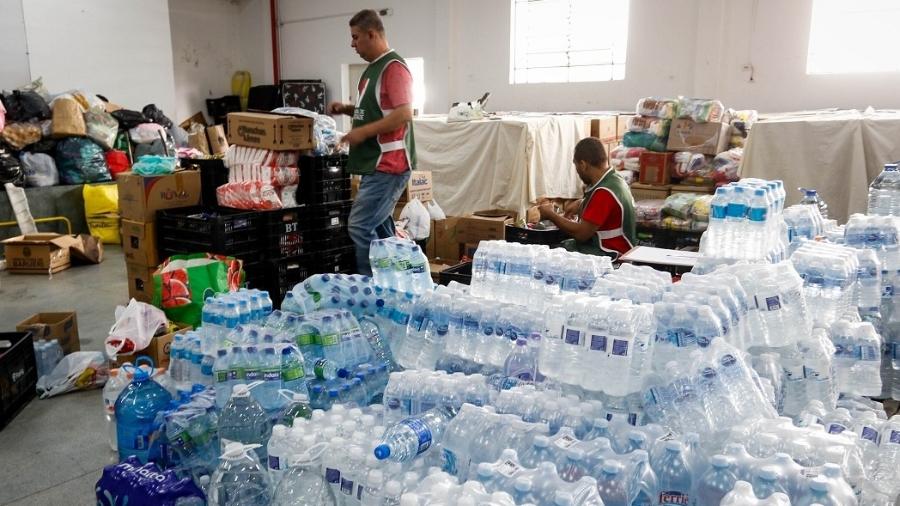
(54, 451)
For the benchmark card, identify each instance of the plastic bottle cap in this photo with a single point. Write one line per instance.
(409, 499)
(768, 473)
(382, 451)
(720, 462)
(221, 352)
(819, 484)
(611, 467)
(485, 469)
(240, 390)
(522, 484)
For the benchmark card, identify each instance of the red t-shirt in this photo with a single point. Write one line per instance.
(605, 212)
(396, 90)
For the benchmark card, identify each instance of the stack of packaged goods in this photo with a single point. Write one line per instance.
(650, 128)
(552, 379)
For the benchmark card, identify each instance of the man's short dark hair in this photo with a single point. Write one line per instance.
(591, 151)
(367, 19)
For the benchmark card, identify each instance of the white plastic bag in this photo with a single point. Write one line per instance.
(40, 169)
(134, 328)
(80, 370)
(435, 211)
(418, 220)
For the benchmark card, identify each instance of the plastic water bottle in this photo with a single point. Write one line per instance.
(114, 385)
(136, 409)
(267, 392)
(278, 449)
(196, 364)
(223, 383)
(521, 362)
(420, 271)
(757, 225)
(303, 483)
(767, 481)
(243, 420)
(293, 377)
(884, 192)
(413, 436)
(674, 475)
(330, 338)
(239, 478)
(811, 197)
(818, 492)
(742, 495)
(717, 482)
(735, 222)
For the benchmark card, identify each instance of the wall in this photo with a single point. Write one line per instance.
(103, 47)
(13, 48)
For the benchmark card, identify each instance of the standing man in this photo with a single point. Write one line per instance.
(382, 149)
(606, 223)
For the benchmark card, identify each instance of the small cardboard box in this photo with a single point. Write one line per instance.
(63, 327)
(38, 253)
(419, 187)
(622, 124)
(158, 349)
(139, 243)
(218, 141)
(198, 141)
(270, 131)
(140, 282)
(604, 128)
(484, 225)
(707, 138)
(649, 192)
(656, 168)
(140, 197)
(443, 245)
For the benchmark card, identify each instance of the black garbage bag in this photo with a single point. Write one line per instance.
(81, 160)
(129, 119)
(25, 106)
(155, 115)
(46, 145)
(10, 169)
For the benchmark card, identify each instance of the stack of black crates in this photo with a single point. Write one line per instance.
(279, 248)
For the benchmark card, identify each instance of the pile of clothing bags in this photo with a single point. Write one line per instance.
(679, 211)
(76, 137)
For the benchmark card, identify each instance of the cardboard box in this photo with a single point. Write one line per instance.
(604, 128)
(38, 253)
(649, 192)
(270, 131)
(706, 138)
(198, 117)
(436, 270)
(140, 282)
(484, 225)
(684, 188)
(63, 327)
(218, 141)
(622, 124)
(419, 187)
(139, 243)
(443, 245)
(140, 197)
(656, 168)
(198, 141)
(158, 349)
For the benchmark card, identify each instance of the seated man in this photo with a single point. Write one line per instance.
(605, 220)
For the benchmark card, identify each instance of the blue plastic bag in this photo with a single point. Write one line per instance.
(132, 484)
(80, 160)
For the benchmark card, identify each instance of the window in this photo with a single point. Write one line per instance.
(417, 69)
(847, 37)
(564, 41)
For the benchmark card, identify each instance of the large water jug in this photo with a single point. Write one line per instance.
(136, 414)
(884, 192)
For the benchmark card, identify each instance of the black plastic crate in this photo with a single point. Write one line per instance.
(18, 374)
(329, 216)
(461, 273)
(215, 230)
(336, 260)
(550, 237)
(323, 179)
(321, 240)
(285, 232)
(282, 274)
(213, 174)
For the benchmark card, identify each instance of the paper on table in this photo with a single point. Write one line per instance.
(650, 255)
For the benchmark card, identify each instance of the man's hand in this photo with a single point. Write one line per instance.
(547, 210)
(353, 137)
(572, 208)
(337, 108)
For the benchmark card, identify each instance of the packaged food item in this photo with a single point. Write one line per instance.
(700, 208)
(675, 223)
(649, 212)
(701, 110)
(727, 165)
(648, 124)
(689, 164)
(657, 107)
(644, 140)
(679, 205)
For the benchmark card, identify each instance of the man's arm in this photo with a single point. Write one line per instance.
(581, 231)
(340, 108)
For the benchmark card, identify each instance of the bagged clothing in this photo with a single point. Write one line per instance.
(644, 140)
(155, 115)
(701, 110)
(25, 106)
(146, 133)
(105, 227)
(101, 127)
(657, 107)
(727, 165)
(81, 160)
(44, 145)
(118, 162)
(80, 370)
(38, 87)
(178, 135)
(40, 169)
(689, 164)
(88, 101)
(648, 124)
(135, 326)
(100, 199)
(128, 119)
(182, 283)
(152, 165)
(159, 147)
(10, 169)
(19, 135)
(68, 118)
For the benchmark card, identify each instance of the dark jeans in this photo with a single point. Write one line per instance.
(370, 217)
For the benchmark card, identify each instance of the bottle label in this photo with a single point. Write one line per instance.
(507, 468)
(767, 302)
(869, 353)
(333, 476)
(811, 472)
(252, 375)
(836, 428)
(359, 492)
(417, 268)
(565, 441)
(448, 462)
(330, 339)
(382, 263)
(236, 374)
(401, 265)
(598, 343)
(274, 462)
(292, 372)
(422, 433)
(346, 486)
(619, 348)
(272, 375)
(306, 339)
(674, 498)
(869, 434)
(573, 336)
(221, 376)
(895, 437)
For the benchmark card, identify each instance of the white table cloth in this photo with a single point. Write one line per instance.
(505, 163)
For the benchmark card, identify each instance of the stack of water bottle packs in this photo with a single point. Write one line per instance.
(554, 379)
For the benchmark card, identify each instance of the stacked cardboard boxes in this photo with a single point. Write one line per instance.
(139, 199)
